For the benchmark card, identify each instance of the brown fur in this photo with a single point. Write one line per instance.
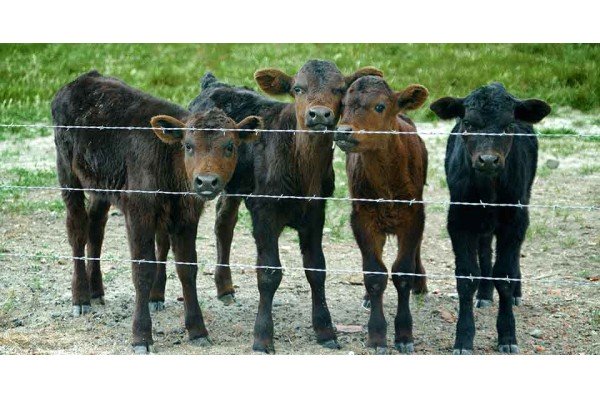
(392, 167)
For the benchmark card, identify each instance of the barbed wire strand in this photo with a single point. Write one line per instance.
(310, 198)
(240, 266)
(425, 133)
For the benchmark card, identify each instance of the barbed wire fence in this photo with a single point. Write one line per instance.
(565, 281)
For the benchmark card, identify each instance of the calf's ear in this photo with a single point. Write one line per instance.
(248, 123)
(448, 108)
(273, 81)
(532, 111)
(366, 71)
(412, 97)
(167, 128)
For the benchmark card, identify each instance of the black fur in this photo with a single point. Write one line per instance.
(489, 109)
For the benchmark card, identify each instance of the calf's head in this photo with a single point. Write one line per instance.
(371, 105)
(489, 109)
(317, 89)
(210, 156)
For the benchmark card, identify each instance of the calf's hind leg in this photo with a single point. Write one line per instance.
(157, 293)
(98, 216)
(77, 230)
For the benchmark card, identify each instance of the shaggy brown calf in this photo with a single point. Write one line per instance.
(386, 166)
(179, 160)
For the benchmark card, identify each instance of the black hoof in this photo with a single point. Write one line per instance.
(462, 352)
(408, 347)
(262, 348)
(227, 299)
(156, 306)
(517, 301)
(330, 344)
(202, 342)
(483, 303)
(508, 349)
(142, 349)
(98, 300)
(381, 350)
(366, 304)
(79, 310)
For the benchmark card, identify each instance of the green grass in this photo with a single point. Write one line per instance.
(562, 74)
(19, 201)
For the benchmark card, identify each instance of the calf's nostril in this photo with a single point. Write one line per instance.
(312, 114)
(327, 114)
(214, 182)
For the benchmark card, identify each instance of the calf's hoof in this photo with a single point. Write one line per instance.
(483, 303)
(142, 349)
(227, 299)
(98, 300)
(330, 344)
(366, 304)
(407, 348)
(457, 351)
(508, 349)
(156, 306)
(517, 301)
(203, 342)
(381, 350)
(262, 347)
(79, 310)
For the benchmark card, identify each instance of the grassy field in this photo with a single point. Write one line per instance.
(563, 75)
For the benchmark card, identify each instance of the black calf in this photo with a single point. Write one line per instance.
(491, 169)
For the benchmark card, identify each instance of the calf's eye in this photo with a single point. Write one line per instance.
(188, 147)
(379, 108)
(229, 149)
(298, 90)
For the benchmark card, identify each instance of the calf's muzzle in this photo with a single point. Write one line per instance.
(208, 186)
(320, 118)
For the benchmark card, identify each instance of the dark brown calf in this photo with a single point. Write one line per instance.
(282, 164)
(181, 161)
(385, 166)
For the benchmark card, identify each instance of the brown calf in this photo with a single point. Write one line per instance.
(385, 166)
(181, 161)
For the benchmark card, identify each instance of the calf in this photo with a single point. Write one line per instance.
(282, 164)
(490, 169)
(135, 159)
(389, 166)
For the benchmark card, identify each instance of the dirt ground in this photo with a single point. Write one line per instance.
(35, 297)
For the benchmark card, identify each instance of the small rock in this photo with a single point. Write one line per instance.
(552, 163)
(539, 349)
(537, 333)
(17, 323)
